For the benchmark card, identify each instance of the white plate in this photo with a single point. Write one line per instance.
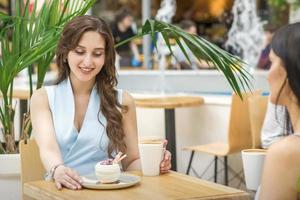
(126, 180)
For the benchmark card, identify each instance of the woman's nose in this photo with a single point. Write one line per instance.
(87, 61)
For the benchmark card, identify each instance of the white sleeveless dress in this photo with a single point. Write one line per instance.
(80, 151)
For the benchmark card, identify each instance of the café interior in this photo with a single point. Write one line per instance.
(214, 117)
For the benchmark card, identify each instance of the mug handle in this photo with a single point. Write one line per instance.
(165, 142)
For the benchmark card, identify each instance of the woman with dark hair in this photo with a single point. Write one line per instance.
(83, 118)
(122, 30)
(282, 164)
(179, 61)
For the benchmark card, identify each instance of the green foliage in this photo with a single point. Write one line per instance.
(278, 3)
(282, 3)
(279, 11)
(229, 65)
(298, 184)
(27, 39)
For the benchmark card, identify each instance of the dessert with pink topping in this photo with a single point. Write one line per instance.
(108, 171)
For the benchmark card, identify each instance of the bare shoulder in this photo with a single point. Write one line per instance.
(286, 150)
(39, 97)
(128, 100)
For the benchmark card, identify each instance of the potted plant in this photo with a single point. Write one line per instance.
(29, 39)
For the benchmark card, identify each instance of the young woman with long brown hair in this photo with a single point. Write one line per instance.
(83, 118)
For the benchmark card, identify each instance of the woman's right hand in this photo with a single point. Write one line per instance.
(65, 176)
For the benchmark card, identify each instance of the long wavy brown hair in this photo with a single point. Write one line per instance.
(106, 80)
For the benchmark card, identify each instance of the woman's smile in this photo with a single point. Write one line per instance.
(86, 70)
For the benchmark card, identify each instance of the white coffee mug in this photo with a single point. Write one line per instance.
(253, 162)
(151, 153)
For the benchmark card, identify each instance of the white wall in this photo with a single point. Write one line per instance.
(190, 81)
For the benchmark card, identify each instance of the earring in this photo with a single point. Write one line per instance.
(65, 60)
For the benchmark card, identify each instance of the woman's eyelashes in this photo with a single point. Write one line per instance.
(95, 54)
(98, 54)
(79, 52)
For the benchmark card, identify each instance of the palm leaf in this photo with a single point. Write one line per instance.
(35, 35)
(33, 40)
(231, 66)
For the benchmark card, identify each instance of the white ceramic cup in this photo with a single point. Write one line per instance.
(253, 162)
(107, 173)
(151, 153)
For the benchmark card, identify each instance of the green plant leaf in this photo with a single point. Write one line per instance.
(231, 66)
(30, 39)
(34, 39)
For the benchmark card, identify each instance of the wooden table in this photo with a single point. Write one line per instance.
(169, 103)
(22, 94)
(165, 187)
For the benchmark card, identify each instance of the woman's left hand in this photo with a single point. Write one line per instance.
(165, 164)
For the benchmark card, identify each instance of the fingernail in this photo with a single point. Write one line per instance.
(162, 165)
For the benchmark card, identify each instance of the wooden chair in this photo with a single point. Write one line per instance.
(257, 110)
(239, 136)
(31, 166)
